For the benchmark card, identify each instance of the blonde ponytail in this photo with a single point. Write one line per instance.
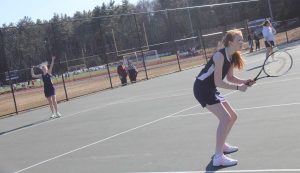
(237, 59)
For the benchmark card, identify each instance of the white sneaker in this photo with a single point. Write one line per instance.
(230, 149)
(53, 116)
(58, 114)
(222, 160)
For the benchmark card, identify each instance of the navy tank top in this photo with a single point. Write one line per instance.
(207, 73)
(47, 80)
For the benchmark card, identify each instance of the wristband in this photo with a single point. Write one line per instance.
(237, 87)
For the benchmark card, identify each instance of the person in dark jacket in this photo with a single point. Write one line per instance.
(132, 72)
(122, 74)
(257, 44)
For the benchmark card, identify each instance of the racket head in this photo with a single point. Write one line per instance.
(45, 63)
(278, 63)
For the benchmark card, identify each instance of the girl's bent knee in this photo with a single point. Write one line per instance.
(234, 118)
(225, 120)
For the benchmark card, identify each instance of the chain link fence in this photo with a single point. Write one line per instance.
(89, 50)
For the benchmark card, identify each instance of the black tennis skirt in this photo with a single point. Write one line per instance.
(49, 91)
(205, 94)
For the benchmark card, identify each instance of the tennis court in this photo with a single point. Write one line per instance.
(158, 126)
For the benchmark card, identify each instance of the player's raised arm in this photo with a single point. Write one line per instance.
(51, 65)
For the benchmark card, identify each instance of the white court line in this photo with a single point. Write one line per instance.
(261, 60)
(284, 80)
(105, 139)
(291, 74)
(235, 171)
(156, 98)
(149, 94)
(241, 109)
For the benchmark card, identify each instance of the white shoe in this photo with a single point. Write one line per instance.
(58, 114)
(222, 160)
(53, 116)
(230, 149)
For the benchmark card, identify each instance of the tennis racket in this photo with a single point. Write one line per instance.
(276, 64)
(42, 64)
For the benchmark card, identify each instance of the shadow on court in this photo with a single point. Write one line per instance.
(210, 168)
(28, 125)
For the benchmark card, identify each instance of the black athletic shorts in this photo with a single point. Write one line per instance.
(268, 45)
(49, 91)
(205, 94)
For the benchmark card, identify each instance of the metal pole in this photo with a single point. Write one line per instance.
(108, 70)
(140, 42)
(203, 44)
(190, 20)
(66, 58)
(270, 9)
(146, 37)
(63, 78)
(103, 50)
(172, 38)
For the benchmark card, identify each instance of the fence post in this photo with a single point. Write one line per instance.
(247, 27)
(287, 38)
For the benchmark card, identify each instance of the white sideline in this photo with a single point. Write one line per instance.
(241, 109)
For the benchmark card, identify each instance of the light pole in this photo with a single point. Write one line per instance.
(190, 20)
(270, 9)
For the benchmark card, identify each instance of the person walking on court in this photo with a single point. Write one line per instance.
(250, 42)
(222, 65)
(257, 44)
(269, 35)
(49, 89)
(132, 72)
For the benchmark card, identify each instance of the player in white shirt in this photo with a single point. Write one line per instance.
(269, 35)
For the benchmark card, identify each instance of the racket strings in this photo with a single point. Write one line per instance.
(278, 65)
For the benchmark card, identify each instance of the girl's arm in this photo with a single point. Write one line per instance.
(51, 65)
(219, 61)
(34, 75)
(233, 79)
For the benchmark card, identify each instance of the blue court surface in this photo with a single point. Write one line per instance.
(158, 126)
